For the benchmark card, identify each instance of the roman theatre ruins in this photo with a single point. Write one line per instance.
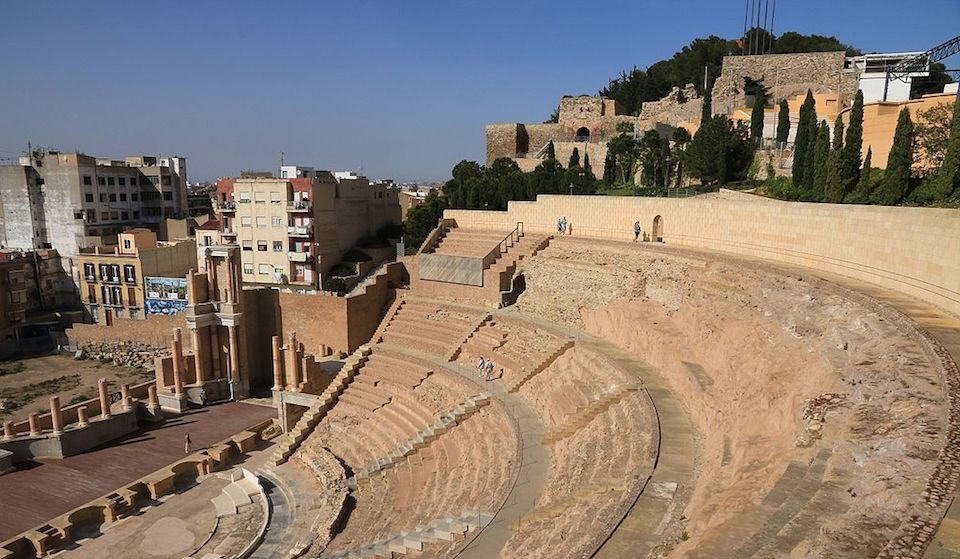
(751, 379)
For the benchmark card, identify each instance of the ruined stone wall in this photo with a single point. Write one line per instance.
(156, 331)
(504, 140)
(785, 75)
(678, 107)
(912, 250)
(581, 107)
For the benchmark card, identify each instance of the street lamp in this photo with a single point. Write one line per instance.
(571, 189)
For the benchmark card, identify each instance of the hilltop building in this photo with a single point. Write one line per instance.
(137, 277)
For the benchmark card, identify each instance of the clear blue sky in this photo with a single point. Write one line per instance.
(403, 88)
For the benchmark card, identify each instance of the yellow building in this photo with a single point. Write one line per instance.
(112, 277)
(880, 122)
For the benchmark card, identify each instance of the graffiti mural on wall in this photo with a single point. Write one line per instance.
(165, 295)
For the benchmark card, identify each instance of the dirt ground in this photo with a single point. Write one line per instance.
(30, 389)
(819, 422)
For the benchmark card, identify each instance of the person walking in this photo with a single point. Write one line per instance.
(563, 225)
(636, 230)
(560, 226)
(186, 443)
(481, 365)
(489, 369)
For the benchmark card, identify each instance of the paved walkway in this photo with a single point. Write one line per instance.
(42, 490)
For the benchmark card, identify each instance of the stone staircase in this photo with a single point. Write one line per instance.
(456, 351)
(243, 486)
(447, 421)
(584, 415)
(539, 368)
(289, 442)
(441, 530)
(585, 495)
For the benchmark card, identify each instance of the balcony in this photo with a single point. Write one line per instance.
(299, 256)
(297, 207)
(228, 233)
(298, 231)
(228, 207)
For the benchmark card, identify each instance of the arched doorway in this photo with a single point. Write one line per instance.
(583, 134)
(656, 233)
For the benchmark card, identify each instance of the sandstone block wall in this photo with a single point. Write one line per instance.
(157, 331)
(785, 75)
(505, 140)
(913, 250)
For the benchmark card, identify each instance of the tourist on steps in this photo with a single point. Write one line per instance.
(636, 230)
(489, 371)
(186, 443)
(482, 365)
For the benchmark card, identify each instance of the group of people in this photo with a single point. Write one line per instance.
(485, 368)
(564, 227)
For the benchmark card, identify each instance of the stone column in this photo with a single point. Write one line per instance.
(234, 354)
(277, 364)
(198, 360)
(153, 403)
(82, 419)
(125, 396)
(177, 361)
(211, 280)
(9, 431)
(35, 424)
(215, 351)
(302, 364)
(293, 374)
(104, 398)
(56, 415)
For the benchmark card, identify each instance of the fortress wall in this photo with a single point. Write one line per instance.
(156, 331)
(912, 250)
(503, 141)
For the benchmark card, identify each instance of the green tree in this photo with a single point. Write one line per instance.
(649, 157)
(421, 220)
(547, 178)
(803, 143)
(896, 180)
(706, 111)
(623, 147)
(681, 137)
(756, 119)
(792, 42)
(850, 158)
(933, 128)
(947, 180)
(862, 193)
(821, 152)
(551, 151)
(554, 116)
(574, 159)
(835, 189)
(586, 161)
(609, 171)
(719, 152)
(783, 124)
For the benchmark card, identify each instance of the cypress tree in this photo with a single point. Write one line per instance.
(834, 186)
(850, 159)
(896, 181)
(551, 153)
(586, 160)
(707, 111)
(947, 181)
(783, 124)
(821, 152)
(802, 154)
(609, 164)
(574, 159)
(756, 119)
(861, 194)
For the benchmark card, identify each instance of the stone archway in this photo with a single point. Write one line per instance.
(656, 233)
(583, 134)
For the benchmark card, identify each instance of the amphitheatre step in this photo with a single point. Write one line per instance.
(477, 328)
(583, 416)
(289, 442)
(585, 495)
(543, 365)
(443, 529)
(446, 421)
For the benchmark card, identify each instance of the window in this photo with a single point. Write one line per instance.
(244, 197)
(118, 313)
(277, 246)
(103, 198)
(126, 243)
(113, 197)
(260, 197)
(101, 181)
(92, 216)
(78, 214)
(168, 196)
(105, 295)
(130, 273)
(266, 269)
(114, 215)
(247, 245)
(136, 214)
(125, 216)
(153, 180)
(166, 181)
(87, 180)
(123, 196)
(105, 216)
(248, 268)
(134, 197)
(133, 181)
(133, 312)
(262, 246)
(122, 181)
(88, 197)
(245, 221)
(110, 181)
(275, 198)
(89, 272)
(91, 293)
(276, 222)
(261, 221)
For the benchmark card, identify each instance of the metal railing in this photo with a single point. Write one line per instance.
(302, 206)
(504, 245)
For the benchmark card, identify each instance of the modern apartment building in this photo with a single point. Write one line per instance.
(33, 285)
(292, 230)
(112, 282)
(69, 201)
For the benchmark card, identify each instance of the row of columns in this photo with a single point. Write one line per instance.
(200, 356)
(83, 420)
(289, 371)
